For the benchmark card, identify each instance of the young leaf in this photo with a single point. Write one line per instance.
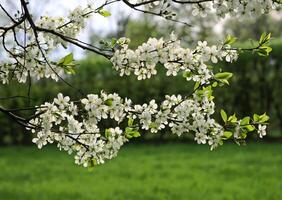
(104, 13)
(109, 102)
(263, 118)
(232, 119)
(66, 60)
(187, 74)
(130, 133)
(215, 84)
(113, 42)
(262, 38)
(256, 118)
(223, 115)
(264, 51)
(107, 133)
(230, 40)
(250, 128)
(223, 75)
(197, 85)
(136, 134)
(227, 134)
(245, 121)
(130, 122)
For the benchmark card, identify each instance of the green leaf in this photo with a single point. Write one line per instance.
(232, 119)
(104, 13)
(91, 164)
(215, 84)
(223, 115)
(130, 122)
(197, 85)
(69, 70)
(67, 63)
(123, 40)
(264, 38)
(256, 118)
(223, 75)
(250, 128)
(66, 60)
(245, 121)
(225, 81)
(153, 125)
(109, 102)
(113, 42)
(264, 51)
(227, 134)
(136, 134)
(107, 133)
(243, 135)
(187, 74)
(130, 133)
(230, 40)
(263, 118)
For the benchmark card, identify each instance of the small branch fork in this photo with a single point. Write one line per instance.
(20, 120)
(20, 24)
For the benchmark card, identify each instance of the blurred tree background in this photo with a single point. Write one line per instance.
(255, 87)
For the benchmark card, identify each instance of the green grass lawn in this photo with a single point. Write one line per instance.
(168, 171)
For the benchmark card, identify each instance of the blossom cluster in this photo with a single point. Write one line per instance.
(31, 56)
(74, 125)
(235, 8)
(194, 64)
(221, 8)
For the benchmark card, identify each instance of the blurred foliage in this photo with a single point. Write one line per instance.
(256, 86)
(140, 30)
(253, 27)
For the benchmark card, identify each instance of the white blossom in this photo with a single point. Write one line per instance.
(174, 58)
(262, 130)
